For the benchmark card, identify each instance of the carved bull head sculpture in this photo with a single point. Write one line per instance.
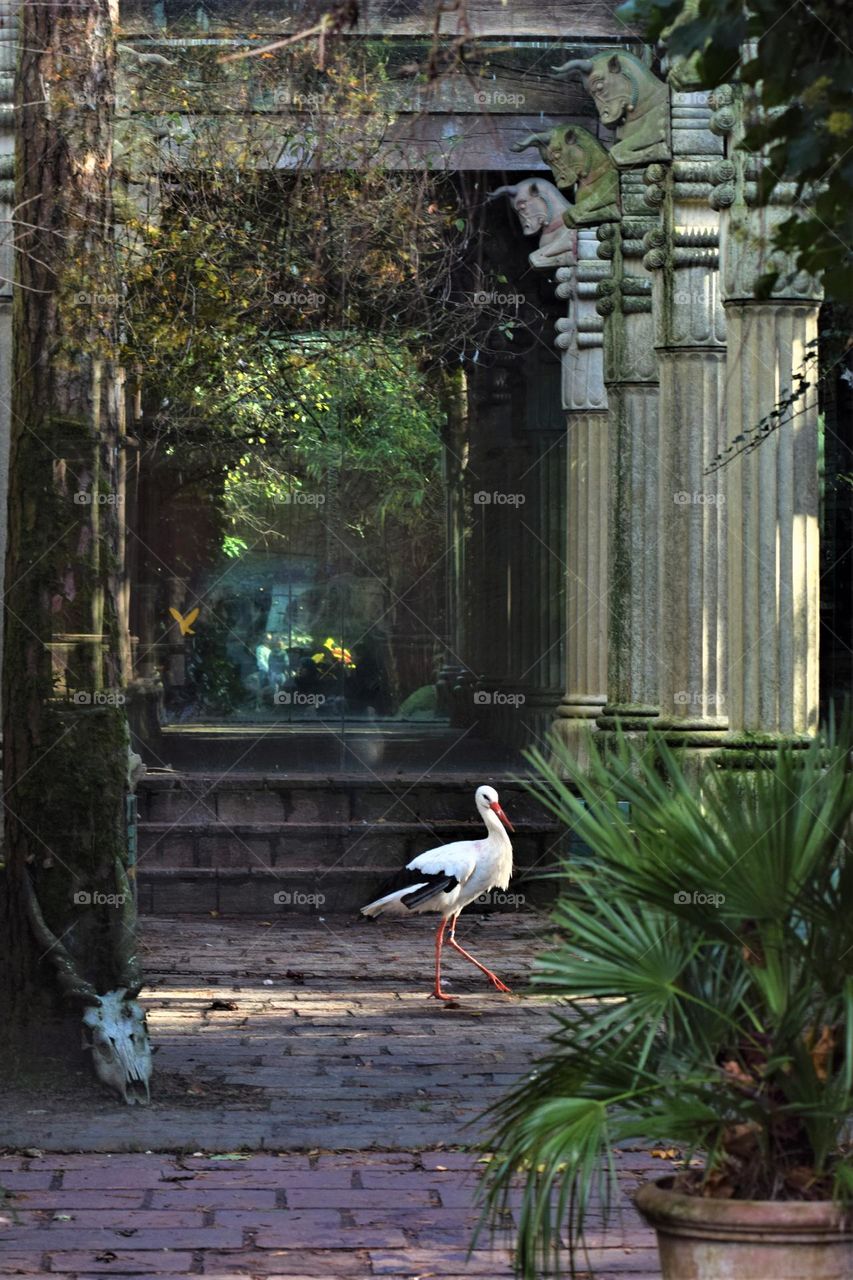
(629, 98)
(580, 164)
(541, 207)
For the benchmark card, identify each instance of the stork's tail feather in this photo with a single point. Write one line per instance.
(392, 902)
(422, 895)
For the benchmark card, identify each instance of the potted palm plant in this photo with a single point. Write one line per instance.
(707, 975)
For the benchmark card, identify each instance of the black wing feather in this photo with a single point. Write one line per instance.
(435, 882)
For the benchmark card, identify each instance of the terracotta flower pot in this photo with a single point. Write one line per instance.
(703, 1239)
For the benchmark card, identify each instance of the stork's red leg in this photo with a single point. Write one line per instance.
(493, 977)
(437, 992)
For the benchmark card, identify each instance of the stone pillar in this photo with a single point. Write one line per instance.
(683, 255)
(580, 338)
(771, 489)
(631, 100)
(631, 378)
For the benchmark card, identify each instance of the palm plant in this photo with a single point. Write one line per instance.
(707, 971)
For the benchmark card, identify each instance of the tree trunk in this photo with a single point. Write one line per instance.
(64, 727)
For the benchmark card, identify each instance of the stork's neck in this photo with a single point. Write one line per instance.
(497, 831)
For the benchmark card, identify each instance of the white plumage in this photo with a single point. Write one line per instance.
(447, 879)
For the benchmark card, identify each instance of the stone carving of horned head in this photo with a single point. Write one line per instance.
(537, 202)
(559, 148)
(610, 83)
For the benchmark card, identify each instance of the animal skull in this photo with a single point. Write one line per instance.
(117, 1033)
(114, 1025)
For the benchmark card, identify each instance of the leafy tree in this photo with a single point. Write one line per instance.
(293, 327)
(364, 415)
(798, 61)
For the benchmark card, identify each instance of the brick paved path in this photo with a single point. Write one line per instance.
(302, 1130)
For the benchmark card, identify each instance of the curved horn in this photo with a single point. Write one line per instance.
(504, 191)
(69, 979)
(584, 65)
(532, 140)
(124, 936)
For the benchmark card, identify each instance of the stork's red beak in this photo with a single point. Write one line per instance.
(499, 811)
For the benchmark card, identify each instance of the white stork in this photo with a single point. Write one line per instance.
(447, 879)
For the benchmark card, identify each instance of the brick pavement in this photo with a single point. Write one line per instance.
(312, 1130)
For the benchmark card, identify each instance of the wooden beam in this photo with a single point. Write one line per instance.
(441, 142)
(531, 19)
(497, 78)
(508, 91)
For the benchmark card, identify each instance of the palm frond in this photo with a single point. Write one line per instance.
(706, 971)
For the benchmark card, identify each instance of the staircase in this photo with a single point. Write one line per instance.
(263, 842)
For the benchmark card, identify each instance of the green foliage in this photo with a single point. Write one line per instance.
(798, 59)
(707, 977)
(358, 414)
(288, 325)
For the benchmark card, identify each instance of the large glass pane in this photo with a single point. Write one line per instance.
(319, 570)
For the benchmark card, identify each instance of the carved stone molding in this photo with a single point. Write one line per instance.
(747, 227)
(723, 114)
(580, 335)
(625, 294)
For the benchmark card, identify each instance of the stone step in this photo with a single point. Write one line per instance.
(273, 894)
(363, 750)
(265, 797)
(217, 844)
(227, 843)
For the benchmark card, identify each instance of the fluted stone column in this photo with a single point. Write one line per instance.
(772, 490)
(683, 255)
(631, 378)
(580, 338)
(774, 569)
(633, 101)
